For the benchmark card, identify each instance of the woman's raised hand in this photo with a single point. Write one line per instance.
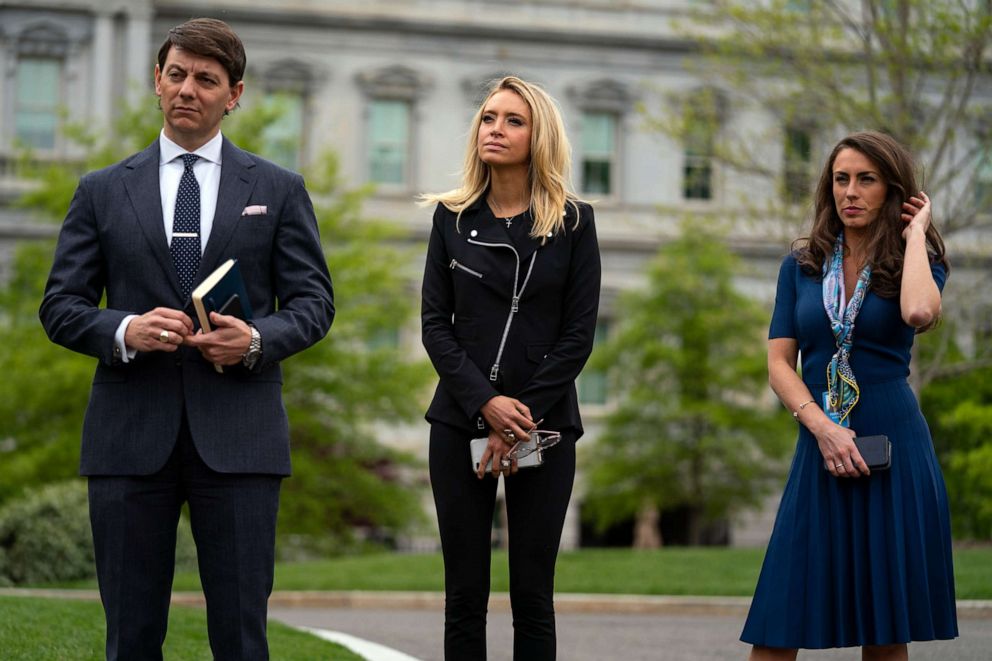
(916, 214)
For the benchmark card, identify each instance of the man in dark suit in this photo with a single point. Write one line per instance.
(163, 427)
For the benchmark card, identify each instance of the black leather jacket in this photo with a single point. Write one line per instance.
(502, 319)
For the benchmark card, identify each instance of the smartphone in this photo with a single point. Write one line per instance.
(531, 455)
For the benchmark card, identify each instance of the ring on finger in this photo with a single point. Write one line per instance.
(509, 434)
(163, 336)
(505, 463)
(838, 466)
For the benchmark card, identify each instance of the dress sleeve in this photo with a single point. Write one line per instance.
(783, 322)
(939, 272)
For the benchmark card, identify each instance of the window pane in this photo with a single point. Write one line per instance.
(983, 183)
(383, 338)
(37, 99)
(283, 138)
(698, 169)
(797, 164)
(697, 177)
(596, 177)
(598, 138)
(389, 129)
(597, 134)
(593, 384)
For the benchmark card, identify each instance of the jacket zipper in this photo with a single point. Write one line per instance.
(515, 303)
(455, 264)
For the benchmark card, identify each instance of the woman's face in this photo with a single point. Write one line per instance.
(859, 191)
(504, 134)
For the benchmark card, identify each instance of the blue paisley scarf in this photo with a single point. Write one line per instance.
(843, 392)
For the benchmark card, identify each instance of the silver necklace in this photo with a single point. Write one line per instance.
(499, 212)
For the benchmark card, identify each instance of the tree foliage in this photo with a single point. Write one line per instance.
(335, 392)
(806, 73)
(692, 427)
(912, 68)
(959, 410)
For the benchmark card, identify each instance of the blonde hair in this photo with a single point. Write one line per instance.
(550, 162)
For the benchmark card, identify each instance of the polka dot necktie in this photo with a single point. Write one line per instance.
(185, 246)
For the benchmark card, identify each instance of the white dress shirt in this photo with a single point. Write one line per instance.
(170, 171)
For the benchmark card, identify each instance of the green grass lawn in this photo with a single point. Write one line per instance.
(671, 571)
(714, 571)
(53, 629)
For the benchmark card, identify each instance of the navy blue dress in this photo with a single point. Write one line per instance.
(856, 561)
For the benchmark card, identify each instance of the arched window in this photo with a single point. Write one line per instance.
(703, 117)
(392, 93)
(604, 104)
(288, 86)
(41, 51)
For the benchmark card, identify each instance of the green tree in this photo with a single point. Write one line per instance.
(335, 391)
(693, 427)
(959, 410)
(815, 70)
(818, 69)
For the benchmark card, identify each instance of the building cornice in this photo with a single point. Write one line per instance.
(589, 35)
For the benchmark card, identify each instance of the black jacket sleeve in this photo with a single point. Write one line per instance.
(558, 371)
(459, 375)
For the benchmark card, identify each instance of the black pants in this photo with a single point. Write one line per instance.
(536, 501)
(233, 518)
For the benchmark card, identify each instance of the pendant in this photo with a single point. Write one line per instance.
(509, 221)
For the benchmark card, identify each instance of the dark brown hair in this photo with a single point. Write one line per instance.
(885, 247)
(208, 37)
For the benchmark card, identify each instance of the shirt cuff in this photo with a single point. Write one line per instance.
(120, 349)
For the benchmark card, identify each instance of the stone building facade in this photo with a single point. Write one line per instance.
(391, 86)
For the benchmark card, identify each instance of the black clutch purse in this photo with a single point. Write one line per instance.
(875, 450)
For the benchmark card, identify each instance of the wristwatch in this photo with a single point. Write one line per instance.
(251, 357)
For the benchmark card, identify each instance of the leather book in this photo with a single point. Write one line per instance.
(222, 291)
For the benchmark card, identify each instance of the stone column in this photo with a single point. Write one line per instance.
(139, 50)
(103, 89)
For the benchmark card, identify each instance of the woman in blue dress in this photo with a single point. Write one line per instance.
(857, 557)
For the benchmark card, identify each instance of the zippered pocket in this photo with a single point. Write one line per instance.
(455, 264)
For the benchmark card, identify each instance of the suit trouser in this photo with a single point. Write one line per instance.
(233, 518)
(536, 502)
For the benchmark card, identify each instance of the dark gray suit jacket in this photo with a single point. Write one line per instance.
(113, 243)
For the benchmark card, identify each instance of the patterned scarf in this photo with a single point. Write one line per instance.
(841, 384)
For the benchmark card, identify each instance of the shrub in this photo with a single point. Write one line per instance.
(45, 537)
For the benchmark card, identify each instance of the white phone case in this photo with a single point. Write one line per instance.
(478, 445)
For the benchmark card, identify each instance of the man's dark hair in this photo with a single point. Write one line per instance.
(208, 37)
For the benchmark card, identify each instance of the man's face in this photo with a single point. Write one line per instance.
(195, 92)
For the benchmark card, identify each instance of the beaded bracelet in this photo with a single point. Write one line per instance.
(795, 414)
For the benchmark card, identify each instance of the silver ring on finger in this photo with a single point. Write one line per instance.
(510, 436)
(838, 466)
(164, 336)
(505, 463)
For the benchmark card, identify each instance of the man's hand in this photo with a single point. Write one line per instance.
(162, 329)
(226, 343)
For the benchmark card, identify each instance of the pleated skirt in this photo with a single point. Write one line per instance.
(860, 561)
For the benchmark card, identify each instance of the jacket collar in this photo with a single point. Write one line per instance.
(141, 181)
(479, 219)
(237, 181)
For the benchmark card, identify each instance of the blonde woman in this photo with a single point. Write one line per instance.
(510, 298)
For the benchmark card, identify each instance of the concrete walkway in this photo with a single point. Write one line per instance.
(408, 626)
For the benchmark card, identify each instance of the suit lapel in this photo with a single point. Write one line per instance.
(237, 181)
(141, 181)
